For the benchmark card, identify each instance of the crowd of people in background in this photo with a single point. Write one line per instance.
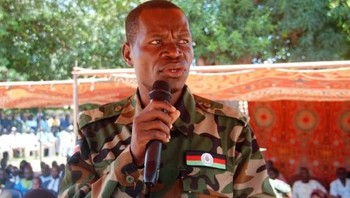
(304, 185)
(27, 134)
(34, 122)
(24, 135)
(18, 181)
(32, 135)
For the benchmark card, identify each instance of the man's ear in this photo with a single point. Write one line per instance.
(126, 52)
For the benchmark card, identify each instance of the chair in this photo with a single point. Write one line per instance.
(38, 193)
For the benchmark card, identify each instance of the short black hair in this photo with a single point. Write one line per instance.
(275, 170)
(132, 19)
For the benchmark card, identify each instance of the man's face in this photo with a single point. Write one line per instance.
(36, 183)
(162, 49)
(45, 171)
(3, 176)
(55, 172)
(341, 173)
(28, 173)
(304, 174)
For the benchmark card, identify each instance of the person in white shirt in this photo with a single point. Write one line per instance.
(54, 183)
(271, 164)
(340, 187)
(281, 188)
(304, 187)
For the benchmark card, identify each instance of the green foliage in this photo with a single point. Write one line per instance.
(43, 39)
(227, 31)
(310, 30)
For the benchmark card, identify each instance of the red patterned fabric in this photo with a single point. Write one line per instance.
(250, 85)
(300, 133)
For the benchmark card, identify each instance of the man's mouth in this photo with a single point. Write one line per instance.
(174, 72)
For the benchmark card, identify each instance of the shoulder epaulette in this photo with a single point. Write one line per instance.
(101, 112)
(221, 109)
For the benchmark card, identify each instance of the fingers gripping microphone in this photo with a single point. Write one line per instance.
(160, 91)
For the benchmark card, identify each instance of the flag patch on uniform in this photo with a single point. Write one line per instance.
(213, 160)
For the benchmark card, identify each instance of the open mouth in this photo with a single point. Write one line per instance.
(174, 72)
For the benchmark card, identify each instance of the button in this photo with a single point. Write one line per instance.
(130, 179)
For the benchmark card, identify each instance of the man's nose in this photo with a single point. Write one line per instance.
(172, 50)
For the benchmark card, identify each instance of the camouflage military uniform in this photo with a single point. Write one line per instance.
(212, 153)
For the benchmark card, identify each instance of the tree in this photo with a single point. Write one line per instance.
(311, 30)
(228, 32)
(43, 39)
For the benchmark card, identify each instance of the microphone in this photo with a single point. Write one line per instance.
(160, 91)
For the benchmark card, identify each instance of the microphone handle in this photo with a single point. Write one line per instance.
(152, 162)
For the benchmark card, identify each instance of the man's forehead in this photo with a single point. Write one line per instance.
(160, 17)
(151, 12)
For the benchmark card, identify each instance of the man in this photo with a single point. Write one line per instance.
(340, 187)
(25, 183)
(55, 180)
(4, 180)
(281, 188)
(304, 187)
(113, 138)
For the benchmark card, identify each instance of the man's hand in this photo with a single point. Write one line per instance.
(153, 123)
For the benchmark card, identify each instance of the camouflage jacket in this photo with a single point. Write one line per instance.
(212, 153)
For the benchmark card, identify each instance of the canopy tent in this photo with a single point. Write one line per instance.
(310, 81)
(303, 109)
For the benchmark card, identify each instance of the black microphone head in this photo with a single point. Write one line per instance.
(160, 91)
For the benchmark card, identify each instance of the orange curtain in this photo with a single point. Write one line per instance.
(297, 133)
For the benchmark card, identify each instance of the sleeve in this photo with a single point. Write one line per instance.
(250, 176)
(295, 190)
(321, 187)
(83, 179)
(333, 189)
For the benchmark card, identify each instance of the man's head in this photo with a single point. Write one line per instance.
(304, 174)
(341, 173)
(45, 170)
(273, 173)
(28, 172)
(269, 164)
(55, 172)
(159, 45)
(3, 176)
(36, 183)
(132, 20)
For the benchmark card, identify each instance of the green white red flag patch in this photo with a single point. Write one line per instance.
(204, 159)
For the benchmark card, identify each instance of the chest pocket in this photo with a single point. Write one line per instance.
(209, 181)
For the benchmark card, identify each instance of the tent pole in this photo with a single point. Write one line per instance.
(75, 100)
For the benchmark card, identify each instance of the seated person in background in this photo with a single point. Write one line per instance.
(270, 164)
(45, 173)
(4, 180)
(62, 167)
(53, 183)
(281, 188)
(36, 183)
(304, 187)
(14, 174)
(25, 183)
(340, 187)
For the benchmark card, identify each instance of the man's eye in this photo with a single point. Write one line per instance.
(155, 42)
(183, 41)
